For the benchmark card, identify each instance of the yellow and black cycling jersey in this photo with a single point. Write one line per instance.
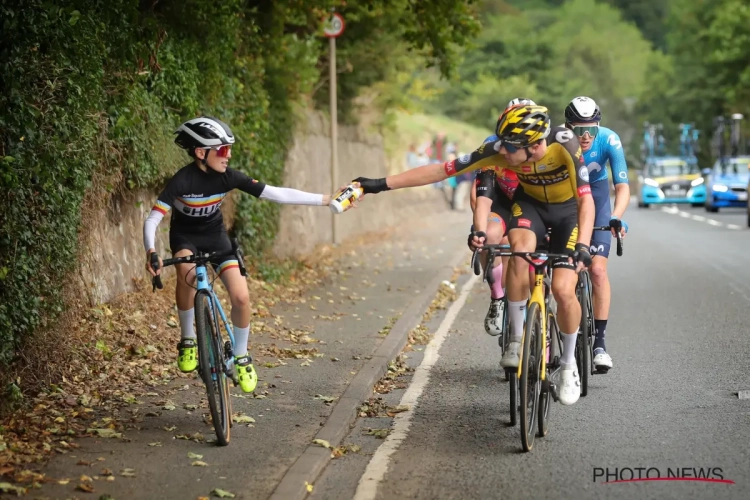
(560, 175)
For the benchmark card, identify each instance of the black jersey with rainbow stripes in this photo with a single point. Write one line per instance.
(196, 197)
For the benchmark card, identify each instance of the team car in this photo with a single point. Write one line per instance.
(670, 179)
(726, 183)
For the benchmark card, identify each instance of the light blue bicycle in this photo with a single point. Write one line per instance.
(215, 358)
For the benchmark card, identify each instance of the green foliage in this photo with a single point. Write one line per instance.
(550, 54)
(92, 90)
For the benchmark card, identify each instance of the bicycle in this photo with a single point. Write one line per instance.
(585, 340)
(535, 371)
(215, 356)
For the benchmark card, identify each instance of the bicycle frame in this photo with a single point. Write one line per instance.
(204, 285)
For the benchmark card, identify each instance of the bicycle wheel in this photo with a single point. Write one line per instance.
(530, 381)
(211, 363)
(583, 342)
(506, 334)
(545, 396)
(511, 375)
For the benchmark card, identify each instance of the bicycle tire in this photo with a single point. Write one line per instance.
(583, 344)
(512, 376)
(545, 396)
(210, 361)
(530, 380)
(506, 334)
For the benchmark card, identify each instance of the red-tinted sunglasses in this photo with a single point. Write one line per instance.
(222, 151)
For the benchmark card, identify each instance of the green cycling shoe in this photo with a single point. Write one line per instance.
(246, 373)
(187, 358)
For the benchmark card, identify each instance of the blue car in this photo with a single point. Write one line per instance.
(727, 184)
(670, 179)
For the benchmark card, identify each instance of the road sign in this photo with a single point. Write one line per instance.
(335, 26)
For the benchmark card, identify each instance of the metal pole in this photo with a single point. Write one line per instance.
(334, 132)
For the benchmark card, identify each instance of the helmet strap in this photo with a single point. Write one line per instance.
(528, 154)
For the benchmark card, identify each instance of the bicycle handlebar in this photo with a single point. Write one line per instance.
(617, 236)
(197, 259)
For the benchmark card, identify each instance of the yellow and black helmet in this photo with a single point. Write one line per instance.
(522, 125)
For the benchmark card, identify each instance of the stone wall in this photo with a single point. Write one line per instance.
(115, 254)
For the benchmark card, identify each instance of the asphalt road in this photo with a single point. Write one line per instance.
(678, 335)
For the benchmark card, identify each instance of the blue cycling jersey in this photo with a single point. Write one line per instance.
(606, 147)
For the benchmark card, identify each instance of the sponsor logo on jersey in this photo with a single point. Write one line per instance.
(450, 167)
(614, 141)
(584, 173)
(524, 223)
(465, 158)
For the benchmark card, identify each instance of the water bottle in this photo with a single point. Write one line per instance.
(344, 198)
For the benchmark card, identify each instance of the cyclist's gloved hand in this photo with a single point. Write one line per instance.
(373, 186)
(618, 226)
(477, 239)
(580, 257)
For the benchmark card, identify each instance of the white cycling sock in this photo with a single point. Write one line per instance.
(187, 330)
(568, 359)
(516, 311)
(241, 336)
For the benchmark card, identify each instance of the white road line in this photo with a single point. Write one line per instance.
(733, 226)
(684, 214)
(715, 222)
(699, 218)
(378, 466)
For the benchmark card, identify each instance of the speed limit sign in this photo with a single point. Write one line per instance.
(335, 26)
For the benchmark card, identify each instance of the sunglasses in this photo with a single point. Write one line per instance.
(221, 151)
(580, 131)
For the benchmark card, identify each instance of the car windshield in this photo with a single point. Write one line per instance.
(669, 169)
(735, 166)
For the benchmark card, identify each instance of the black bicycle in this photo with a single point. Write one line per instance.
(585, 340)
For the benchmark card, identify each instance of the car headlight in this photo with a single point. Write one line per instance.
(720, 188)
(651, 182)
(698, 182)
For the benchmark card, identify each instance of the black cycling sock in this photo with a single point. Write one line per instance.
(600, 326)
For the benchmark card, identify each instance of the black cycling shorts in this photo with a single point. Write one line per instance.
(212, 241)
(501, 209)
(560, 218)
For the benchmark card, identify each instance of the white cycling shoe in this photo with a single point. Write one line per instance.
(511, 356)
(493, 322)
(569, 389)
(602, 360)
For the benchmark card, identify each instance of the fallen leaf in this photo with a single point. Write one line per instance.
(191, 407)
(83, 462)
(194, 456)
(378, 433)
(85, 487)
(106, 472)
(322, 442)
(9, 488)
(157, 443)
(85, 478)
(325, 399)
(392, 411)
(104, 433)
(63, 481)
(243, 419)
(308, 487)
(222, 494)
(170, 428)
(127, 472)
(198, 463)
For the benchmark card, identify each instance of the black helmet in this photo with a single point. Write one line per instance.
(523, 125)
(582, 109)
(203, 132)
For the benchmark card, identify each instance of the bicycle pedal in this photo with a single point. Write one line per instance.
(553, 391)
(602, 371)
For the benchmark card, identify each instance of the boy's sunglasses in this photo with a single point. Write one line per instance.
(221, 151)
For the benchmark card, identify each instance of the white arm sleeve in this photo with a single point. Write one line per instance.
(290, 196)
(149, 229)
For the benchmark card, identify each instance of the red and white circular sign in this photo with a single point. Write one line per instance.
(335, 26)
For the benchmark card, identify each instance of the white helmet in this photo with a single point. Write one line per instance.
(520, 100)
(203, 132)
(582, 109)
